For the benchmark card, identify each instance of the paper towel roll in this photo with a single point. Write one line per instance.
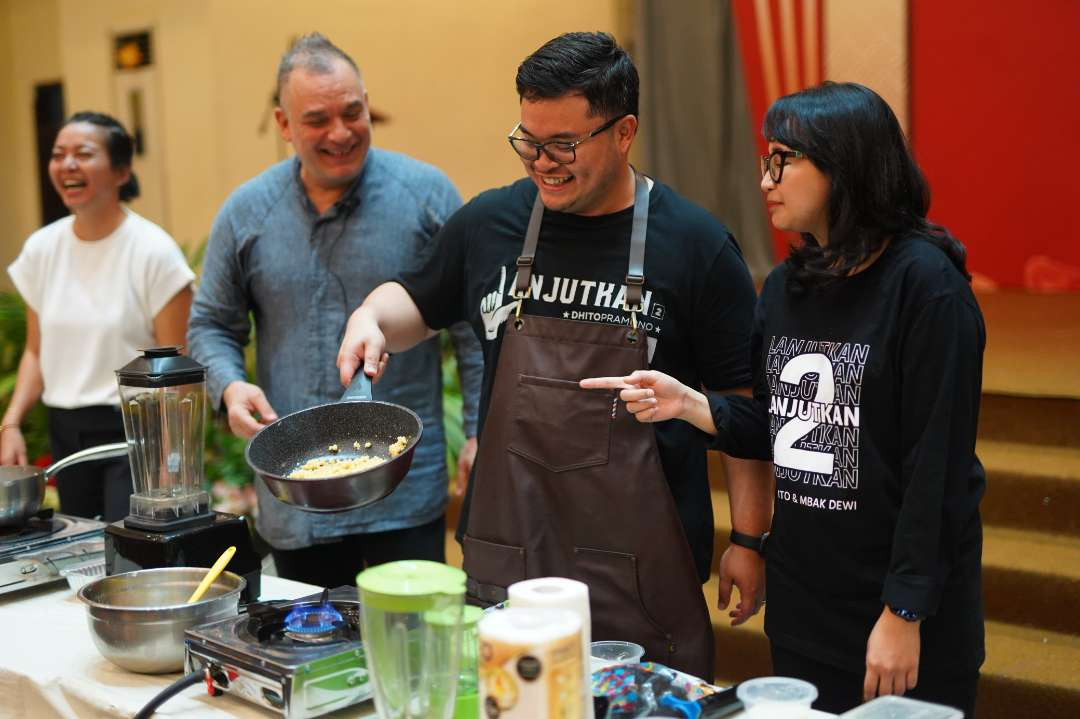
(561, 593)
(530, 664)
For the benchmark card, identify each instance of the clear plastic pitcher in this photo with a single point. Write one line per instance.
(412, 614)
(163, 402)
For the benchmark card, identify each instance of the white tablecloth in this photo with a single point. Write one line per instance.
(49, 666)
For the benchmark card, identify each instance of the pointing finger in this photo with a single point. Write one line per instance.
(604, 383)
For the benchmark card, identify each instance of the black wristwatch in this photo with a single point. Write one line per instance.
(908, 615)
(750, 541)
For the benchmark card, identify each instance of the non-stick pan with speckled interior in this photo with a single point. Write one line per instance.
(283, 446)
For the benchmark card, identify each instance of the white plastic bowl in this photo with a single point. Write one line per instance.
(776, 697)
(606, 653)
(893, 707)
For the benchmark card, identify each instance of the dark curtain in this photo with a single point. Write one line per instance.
(696, 131)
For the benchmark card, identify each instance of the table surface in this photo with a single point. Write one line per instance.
(50, 668)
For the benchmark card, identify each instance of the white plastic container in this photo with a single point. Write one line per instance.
(606, 653)
(84, 573)
(776, 697)
(892, 707)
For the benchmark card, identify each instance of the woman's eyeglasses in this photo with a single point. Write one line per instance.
(774, 162)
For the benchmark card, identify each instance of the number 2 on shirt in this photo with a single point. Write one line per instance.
(784, 452)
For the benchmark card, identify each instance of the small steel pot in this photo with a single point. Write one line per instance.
(137, 619)
(22, 487)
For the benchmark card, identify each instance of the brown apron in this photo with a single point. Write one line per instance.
(569, 484)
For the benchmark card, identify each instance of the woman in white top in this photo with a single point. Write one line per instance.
(99, 285)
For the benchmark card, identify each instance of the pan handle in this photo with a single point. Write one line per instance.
(359, 390)
(104, 451)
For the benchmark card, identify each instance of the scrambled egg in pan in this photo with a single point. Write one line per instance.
(324, 467)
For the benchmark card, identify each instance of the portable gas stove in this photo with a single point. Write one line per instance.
(302, 657)
(33, 554)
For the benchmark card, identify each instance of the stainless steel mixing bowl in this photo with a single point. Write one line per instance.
(137, 619)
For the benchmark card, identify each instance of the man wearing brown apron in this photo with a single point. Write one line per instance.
(588, 268)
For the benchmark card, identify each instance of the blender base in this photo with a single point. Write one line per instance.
(128, 548)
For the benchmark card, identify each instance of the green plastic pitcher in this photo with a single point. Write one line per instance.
(467, 703)
(411, 614)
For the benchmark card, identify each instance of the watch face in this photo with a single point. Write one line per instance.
(908, 615)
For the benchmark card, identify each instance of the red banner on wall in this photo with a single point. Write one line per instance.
(780, 42)
(994, 109)
(993, 118)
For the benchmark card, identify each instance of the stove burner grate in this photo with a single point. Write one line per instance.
(293, 624)
(313, 623)
(40, 525)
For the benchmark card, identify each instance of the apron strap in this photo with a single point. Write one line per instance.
(528, 251)
(635, 275)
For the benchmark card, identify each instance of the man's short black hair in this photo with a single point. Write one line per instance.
(589, 63)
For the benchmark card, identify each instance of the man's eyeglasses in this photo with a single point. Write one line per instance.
(561, 151)
(774, 162)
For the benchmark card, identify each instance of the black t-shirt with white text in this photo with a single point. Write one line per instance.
(698, 303)
(866, 399)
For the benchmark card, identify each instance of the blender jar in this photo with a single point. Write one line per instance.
(412, 612)
(467, 703)
(163, 402)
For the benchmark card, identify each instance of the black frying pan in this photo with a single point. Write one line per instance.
(284, 445)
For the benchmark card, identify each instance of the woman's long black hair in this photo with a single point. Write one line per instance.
(877, 193)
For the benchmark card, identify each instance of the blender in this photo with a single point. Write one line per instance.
(170, 524)
(467, 702)
(412, 618)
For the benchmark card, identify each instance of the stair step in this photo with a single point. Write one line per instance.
(1001, 457)
(1031, 487)
(1032, 579)
(1043, 421)
(1035, 656)
(1032, 552)
(1030, 343)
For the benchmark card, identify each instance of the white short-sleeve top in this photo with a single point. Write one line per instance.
(96, 302)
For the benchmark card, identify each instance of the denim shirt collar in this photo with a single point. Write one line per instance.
(349, 200)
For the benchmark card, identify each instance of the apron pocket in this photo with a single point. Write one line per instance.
(491, 568)
(559, 425)
(614, 597)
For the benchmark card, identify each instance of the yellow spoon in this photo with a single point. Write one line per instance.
(215, 570)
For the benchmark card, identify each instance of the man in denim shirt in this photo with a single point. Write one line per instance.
(298, 247)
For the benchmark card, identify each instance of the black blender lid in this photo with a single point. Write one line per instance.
(161, 367)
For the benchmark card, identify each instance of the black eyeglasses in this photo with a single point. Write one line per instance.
(774, 162)
(561, 151)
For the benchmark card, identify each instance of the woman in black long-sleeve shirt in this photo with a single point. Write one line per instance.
(868, 349)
